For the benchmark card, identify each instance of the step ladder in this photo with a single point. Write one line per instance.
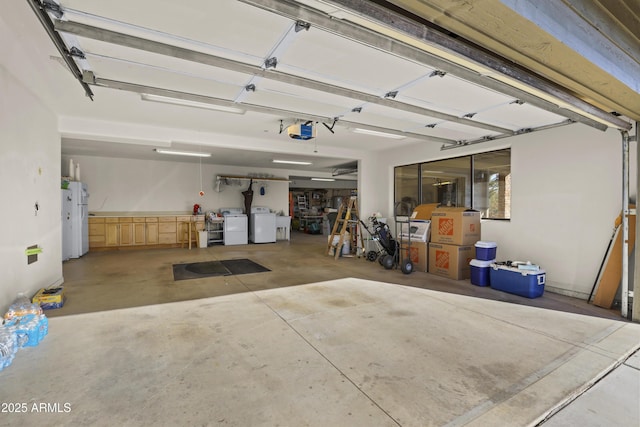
(302, 205)
(342, 225)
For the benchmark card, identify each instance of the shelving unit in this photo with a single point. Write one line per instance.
(215, 230)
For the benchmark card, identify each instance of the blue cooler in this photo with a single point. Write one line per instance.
(480, 271)
(526, 283)
(486, 251)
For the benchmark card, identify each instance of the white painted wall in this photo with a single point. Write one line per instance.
(373, 184)
(566, 194)
(30, 170)
(130, 185)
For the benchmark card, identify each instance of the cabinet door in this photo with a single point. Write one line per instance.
(139, 233)
(112, 237)
(152, 233)
(126, 234)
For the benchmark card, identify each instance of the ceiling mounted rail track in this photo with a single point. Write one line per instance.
(40, 9)
(142, 89)
(452, 55)
(135, 42)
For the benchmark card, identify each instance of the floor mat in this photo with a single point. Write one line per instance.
(230, 267)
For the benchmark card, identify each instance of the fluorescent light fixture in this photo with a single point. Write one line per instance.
(291, 162)
(323, 179)
(182, 153)
(189, 103)
(376, 133)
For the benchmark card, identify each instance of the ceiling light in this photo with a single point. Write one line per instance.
(323, 179)
(182, 153)
(376, 133)
(189, 103)
(292, 162)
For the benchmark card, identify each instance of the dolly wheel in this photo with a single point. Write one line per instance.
(372, 256)
(407, 266)
(387, 262)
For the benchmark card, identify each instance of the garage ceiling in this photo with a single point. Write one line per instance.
(353, 70)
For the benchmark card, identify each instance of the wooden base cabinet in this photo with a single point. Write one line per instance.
(151, 231)
(97, 233)
(112, 227)
(118, 232)
(139, 232)
(167, 230)
(122, 232)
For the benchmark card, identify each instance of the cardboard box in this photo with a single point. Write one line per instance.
(416, 230)
(419, 253)
(424, 211)
(450, 261)
(455, 226)
(49, 298)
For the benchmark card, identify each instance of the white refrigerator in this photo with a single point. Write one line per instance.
(66, 224)
(78, 233)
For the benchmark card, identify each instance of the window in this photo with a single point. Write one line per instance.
(449, 182)
(406, 189)
(492, 184)
(446, 181)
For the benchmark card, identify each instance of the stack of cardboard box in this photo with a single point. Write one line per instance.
(454, 232)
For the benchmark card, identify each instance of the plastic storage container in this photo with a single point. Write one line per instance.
(526, 283)
(486, 251)
(203, 238)
(346, 244)
(480, 272)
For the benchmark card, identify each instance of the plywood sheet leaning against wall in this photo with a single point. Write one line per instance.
(611, 271)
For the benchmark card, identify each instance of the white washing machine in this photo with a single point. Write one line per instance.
(235, 231)
(263, 225)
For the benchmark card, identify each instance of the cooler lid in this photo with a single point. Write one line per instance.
(482, 244)
(515, 269)
(481, 263)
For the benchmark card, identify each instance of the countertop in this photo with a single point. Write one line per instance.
(139, 214)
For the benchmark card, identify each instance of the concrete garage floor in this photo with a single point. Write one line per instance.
(352, 344)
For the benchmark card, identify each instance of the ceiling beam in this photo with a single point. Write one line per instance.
(142, 89)
(108, 36)
(500, 74)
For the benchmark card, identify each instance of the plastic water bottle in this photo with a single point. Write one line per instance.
(8, 346)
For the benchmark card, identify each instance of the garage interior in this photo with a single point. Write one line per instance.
(318, 340)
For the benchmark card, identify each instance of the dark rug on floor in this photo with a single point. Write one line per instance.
(230, 267)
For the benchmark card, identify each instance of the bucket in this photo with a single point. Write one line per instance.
(346, 244)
